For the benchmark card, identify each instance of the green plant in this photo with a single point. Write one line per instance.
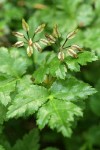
(43, 84)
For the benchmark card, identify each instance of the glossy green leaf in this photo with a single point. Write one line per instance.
(71, 89)
(27, 101)
(58, 114)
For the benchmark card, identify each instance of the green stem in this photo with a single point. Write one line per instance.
(67, 47)
(65, 42)
(28, 35)
(33, 36)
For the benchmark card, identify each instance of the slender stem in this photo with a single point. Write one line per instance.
(67, 47)
(33, 36)
(28, 34)
(65, 42)
(25, 38)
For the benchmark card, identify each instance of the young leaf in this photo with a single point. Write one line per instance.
(54, 67)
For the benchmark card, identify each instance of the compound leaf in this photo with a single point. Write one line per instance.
(71, 89)
(58, 114)
(83, 58)
(27, 101)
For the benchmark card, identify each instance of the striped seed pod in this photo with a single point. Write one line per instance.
(76, 47)
(44, 41)
(19, 44)
(37, 46)
(55, 32)
(40, 28)
(71, 35)
(72, 53)
(61, 56)
(29, 51)
(50, 38)
(18, 34)
(25, 25)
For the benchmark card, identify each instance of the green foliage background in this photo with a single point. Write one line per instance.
(23, 133)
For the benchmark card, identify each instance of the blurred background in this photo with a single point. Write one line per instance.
(68, 15)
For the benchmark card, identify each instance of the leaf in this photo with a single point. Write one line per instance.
(58, 114)
(40, 74)
(29, 142)
(71, 89)
(6, 87)
(83, 58)
(54, 67)
(27, 101)
(12, 66)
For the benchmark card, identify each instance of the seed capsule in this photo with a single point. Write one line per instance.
(40, 28)
(37, 46)
(18, 34)
(72, 53)
(44, 41)
(55, 32)
(19, 44)
(76, 47)
(61, 56)
(71, 35)
(29, 50)
(25, 25)
(50, 38)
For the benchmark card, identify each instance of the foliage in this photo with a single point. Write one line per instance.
(46, 86)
